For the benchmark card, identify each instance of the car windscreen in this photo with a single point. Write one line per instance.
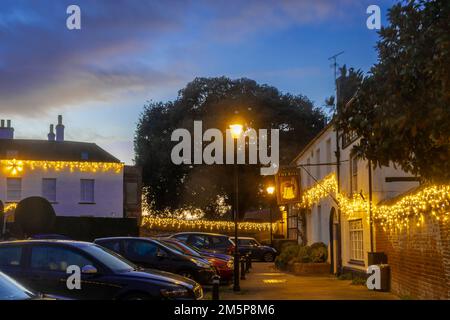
(110, 259)
(11, 290)
(183, 248)
(169, 248)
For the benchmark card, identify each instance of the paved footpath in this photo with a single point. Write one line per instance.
(265, 282)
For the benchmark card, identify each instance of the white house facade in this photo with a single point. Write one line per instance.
(336, 198)
(77, 178)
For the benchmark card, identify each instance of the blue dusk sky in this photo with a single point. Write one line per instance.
(132, 51)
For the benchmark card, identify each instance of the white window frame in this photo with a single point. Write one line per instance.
(356, 236)
(45, 193)
(84, 197)
(11, 189)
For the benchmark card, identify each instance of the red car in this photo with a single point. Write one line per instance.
(224, 268)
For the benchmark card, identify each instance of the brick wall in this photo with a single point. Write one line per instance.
(419, 257)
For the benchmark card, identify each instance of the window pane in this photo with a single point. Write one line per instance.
(49, 189)
(14, 189)
(140, 249)
(10, 256)
(56, 259)
(87, 190)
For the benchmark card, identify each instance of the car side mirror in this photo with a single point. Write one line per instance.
(89, 269)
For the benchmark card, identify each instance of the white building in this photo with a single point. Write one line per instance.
(348, 236)
(79, 179)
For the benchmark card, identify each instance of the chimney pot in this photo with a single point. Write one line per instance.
(60, 129)
(51, 134)
(6, 132)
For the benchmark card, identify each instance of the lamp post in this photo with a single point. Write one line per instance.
(236, 131)
(270, 191)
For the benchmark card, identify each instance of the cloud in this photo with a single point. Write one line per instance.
(46, 66)
(232, 20)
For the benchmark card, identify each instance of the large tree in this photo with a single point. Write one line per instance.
(402, 109)
(216, 102)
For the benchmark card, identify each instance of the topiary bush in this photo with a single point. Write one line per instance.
(317, 253)
(287, 254)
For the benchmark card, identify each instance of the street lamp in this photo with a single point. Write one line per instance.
(236, 131)
(270, 191)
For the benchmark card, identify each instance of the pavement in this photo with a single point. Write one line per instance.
(265, 282)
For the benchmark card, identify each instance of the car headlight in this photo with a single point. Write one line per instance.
(201, 264)
(175, 293)
(230, 264)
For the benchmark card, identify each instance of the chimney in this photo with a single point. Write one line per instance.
(6, 132)
(51, 135)
(60, 130)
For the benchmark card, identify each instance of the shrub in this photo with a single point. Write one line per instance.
(287, 254)
(291, 253)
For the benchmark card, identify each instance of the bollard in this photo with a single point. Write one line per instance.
(242, 268)
(248, 262)
(215, 287)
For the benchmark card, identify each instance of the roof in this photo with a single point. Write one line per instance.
(313, 140)
(44, 150)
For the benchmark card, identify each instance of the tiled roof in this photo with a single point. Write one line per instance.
(22, 149)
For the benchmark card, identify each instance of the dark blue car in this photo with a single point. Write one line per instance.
(257, 251)
(41, 265)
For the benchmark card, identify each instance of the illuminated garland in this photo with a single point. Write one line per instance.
(321, 190)
(15, 167)
(205, 225)
(10, 207)
(434, 200)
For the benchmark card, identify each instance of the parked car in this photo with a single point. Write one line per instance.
(42, 266)
(224, 267)
(210, 242)
(151, 253)
(50, 236)
(12, 290)
(256, 250)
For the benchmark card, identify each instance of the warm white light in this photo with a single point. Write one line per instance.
(270, 189)
(236, 130)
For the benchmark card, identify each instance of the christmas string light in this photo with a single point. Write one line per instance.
(432, 200)
(16, 167)
(206, 225)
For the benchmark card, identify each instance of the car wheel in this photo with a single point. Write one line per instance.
(186, 274)
(268, 257)
(136, 296)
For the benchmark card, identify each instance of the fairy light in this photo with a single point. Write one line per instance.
(10, 207)
(206, 225)
(433, 201)
(16, 167)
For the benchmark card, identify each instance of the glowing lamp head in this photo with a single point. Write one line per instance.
(270, 190)
(236, 130)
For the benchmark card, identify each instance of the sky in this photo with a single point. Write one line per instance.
(129, 52)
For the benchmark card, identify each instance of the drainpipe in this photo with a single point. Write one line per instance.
(338, 177)
(370, 206)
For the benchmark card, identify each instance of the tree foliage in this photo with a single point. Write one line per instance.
(216, 102)
(402, 109)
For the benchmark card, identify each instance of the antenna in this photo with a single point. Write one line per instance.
(334, 59)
